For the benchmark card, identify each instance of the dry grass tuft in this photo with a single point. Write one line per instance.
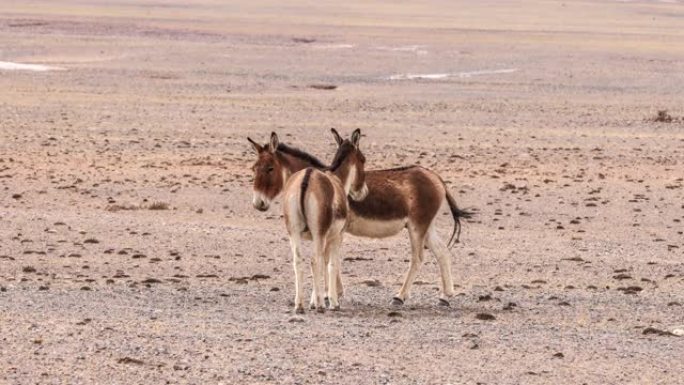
(327, 87)
(159, 206)
(115, 208)
(664, 117)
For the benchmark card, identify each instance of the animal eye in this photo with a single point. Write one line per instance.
(269, 169)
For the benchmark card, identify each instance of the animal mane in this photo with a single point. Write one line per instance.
(342, 153)
(400, 168)
(297, 153)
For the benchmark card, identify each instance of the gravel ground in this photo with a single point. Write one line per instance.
(130, 252)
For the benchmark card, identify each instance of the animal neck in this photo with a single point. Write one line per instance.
(292, 163)
(346, 175)
(298, 159)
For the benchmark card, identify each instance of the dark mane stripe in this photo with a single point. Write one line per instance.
(402, 168)
(342, 153)
(302, 194)
(297, 153)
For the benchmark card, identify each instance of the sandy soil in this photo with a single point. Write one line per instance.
(538, 114)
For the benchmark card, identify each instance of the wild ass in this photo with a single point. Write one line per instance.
(315, 207)
(406, 197)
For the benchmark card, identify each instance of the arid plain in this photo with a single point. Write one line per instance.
(130, 252)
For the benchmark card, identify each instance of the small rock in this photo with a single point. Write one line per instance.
(651, 330)
(622, 276)
(485, 317)
(129, 360)
(484, 298)
(257, 277)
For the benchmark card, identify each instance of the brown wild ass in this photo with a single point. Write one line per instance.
(315, 207)
(406, 197)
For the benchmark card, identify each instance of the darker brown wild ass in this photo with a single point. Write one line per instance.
(407, 197)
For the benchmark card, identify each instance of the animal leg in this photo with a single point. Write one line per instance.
(295, 244)
(314, 293)
(332, 249)
(312, 301)
(439, 249)
(417, 238)
(327, 279)
(340, 288)
(318, 270)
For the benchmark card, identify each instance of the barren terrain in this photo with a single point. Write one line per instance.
(130, 253)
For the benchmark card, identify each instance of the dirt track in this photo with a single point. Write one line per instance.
(539, 115)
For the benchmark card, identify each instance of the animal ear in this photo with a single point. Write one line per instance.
(337, 136)
(273, 144)
(255, 145)
(356, 136)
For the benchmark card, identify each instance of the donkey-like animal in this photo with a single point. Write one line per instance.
(315, 206)
(406, 197)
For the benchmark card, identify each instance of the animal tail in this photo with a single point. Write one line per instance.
(457, 214)
(302, 194)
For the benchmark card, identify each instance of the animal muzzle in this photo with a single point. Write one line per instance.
(259, 202)
(359, 195)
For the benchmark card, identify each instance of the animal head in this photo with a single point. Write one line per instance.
(349, 165)
(268, 173)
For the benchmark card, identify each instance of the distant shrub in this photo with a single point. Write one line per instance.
(159, 206)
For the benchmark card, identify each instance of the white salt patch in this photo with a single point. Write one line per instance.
(401, 48)
(333, 46)
(678, 331)
(10, 66)
(445, 76)
(419, 76)
(417, 49)
(486, 72)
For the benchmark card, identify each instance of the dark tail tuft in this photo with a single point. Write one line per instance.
(457, 214)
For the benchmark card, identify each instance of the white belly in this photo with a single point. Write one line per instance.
(373, 228)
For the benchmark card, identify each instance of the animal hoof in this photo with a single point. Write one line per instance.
(327, 301)
(321, 310)
(443, 302)
(312, 306)
(336, 308)
(299, 310)
(396, 301)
